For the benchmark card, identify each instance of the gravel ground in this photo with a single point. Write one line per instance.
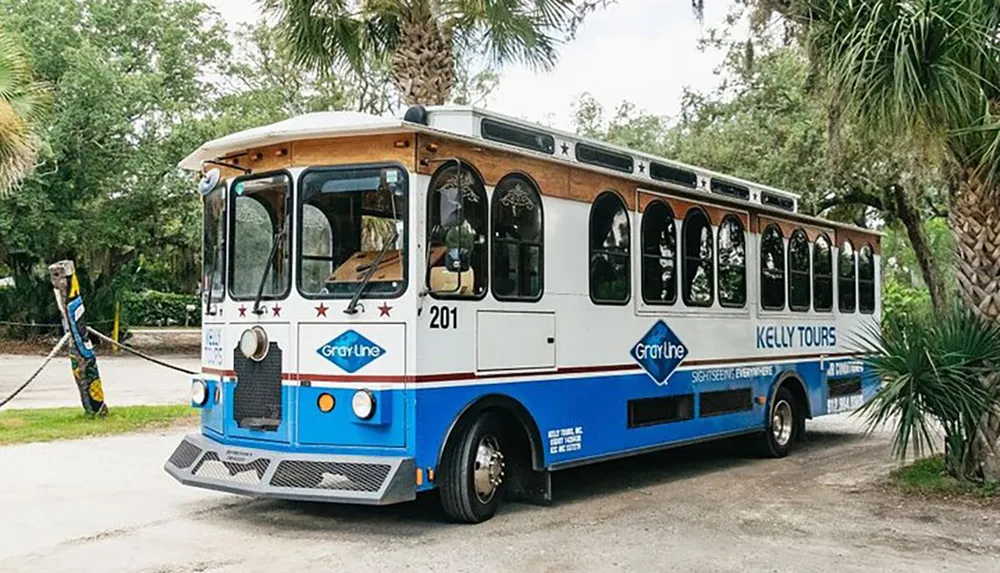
(127, 380)
(106, 505)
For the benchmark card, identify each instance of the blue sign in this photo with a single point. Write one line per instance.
(351, 351)
(659, 352)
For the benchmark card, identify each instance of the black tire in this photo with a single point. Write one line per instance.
(459, 497)
(778, 444)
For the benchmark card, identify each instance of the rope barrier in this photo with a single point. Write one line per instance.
(43, 324)
(62, 342)
(131, 350)
(55, 350)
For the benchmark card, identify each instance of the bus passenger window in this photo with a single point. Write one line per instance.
(659, 254)
(456, 233)
(845, 278)
(517, 240)
(866, 280)
(822, 275)
(698, 259)
(798, 271)
(732, 263)
(772, 269)
(610, 271)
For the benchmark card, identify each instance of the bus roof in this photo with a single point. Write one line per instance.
(491, 129)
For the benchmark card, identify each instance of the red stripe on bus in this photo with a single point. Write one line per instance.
(457, 376)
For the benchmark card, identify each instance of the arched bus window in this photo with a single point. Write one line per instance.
(457, 224)
(659, 254)
(772, 268)
(798, 271)
(610, 271)
(732, 255)
(517, 240)
(846, 277)
(866, 280)
(698, 278)
(822, 275)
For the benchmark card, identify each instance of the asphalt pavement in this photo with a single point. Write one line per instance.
(105, 505)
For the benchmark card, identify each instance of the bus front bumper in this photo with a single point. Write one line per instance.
(372, 480)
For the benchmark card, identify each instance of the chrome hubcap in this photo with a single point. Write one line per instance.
(782, 423)
(489, 468)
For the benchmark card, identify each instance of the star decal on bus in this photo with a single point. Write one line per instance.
(276, 310)
(384, 310)
(321, 310)
(243, 311)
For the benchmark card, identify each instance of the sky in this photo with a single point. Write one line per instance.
(642, 51)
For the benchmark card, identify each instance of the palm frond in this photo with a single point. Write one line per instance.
(523, 31)
(923, 68)
(23, 103)
(330, 35)
(932, 371)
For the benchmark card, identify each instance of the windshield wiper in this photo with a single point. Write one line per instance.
(278, 238)
(352, 307)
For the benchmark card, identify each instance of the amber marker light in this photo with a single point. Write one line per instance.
(761, 400)
(325, 402)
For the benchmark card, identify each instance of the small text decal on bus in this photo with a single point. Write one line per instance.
(782, 336)
(351, 351)
(659, 352)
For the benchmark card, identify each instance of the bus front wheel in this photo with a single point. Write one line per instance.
(784, 423)
(474, 472)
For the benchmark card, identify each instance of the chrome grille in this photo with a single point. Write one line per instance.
(212, 467)
(343, 476)
(185, 455)
(257, 394)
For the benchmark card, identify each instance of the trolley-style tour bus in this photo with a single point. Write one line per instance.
(465, 301)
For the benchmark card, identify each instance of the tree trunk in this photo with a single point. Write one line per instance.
(975, 224)
(910, 217)
(423, 65)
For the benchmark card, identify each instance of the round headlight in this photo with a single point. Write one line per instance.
(199, 393)
(253, 343)
(363, 404)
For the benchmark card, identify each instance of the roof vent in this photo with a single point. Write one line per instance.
(416, 114)
(662, 172)
(773, 200)
(730, 189)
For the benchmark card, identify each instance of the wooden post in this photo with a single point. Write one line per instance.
(81, 350)
(114, 333)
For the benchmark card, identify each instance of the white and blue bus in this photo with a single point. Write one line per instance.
(463, 301)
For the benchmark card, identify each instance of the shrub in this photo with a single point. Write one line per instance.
(152, 308)
(937, 372)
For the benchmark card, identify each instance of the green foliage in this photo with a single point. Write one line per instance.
(900, 300)
(930, 476)
(925, 70)
(153, 308)
(936, 371)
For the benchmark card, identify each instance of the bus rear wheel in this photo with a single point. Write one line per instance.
(474, 472)
(784, 424)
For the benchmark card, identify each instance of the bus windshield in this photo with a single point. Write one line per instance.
(261, 250)
(353, 219)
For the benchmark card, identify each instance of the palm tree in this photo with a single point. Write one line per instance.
(929, 71)
(420, 40)
(22, 100)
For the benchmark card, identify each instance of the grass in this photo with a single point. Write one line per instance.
(48, 424)
(928, 476)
